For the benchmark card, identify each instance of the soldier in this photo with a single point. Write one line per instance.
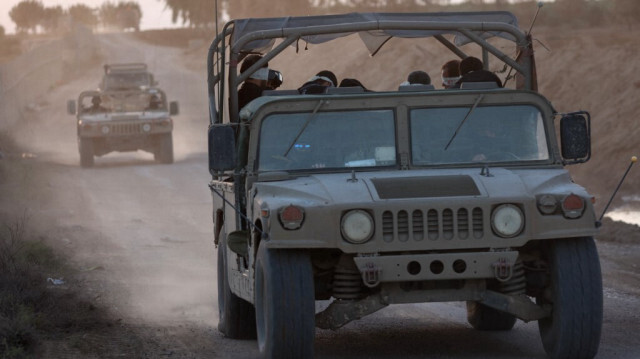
(96, 106)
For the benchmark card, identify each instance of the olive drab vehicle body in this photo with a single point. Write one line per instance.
(366, 199)
(127, 113)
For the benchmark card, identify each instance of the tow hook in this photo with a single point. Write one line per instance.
(371, 275)
(502, 269)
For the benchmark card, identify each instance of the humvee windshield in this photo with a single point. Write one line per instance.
(347, 139)
(489, 134)
(126, 101)
(338, 139)
(123, 81)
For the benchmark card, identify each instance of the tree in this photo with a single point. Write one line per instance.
(193, 12)
(1, 31)
(129, 15)
(27, 15)
(84, 15)
(51, 17)
(125, 15)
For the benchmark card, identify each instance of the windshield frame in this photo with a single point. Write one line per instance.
(401, 103)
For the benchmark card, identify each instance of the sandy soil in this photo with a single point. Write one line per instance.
(139, 234)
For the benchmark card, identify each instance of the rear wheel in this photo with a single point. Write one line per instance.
(86, 152)
(573, 329)
(482, 317)
(237, 318)
(164, 148)
(285, 304)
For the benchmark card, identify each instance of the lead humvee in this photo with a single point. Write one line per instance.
(417, 195)
(123, 121)
(127, 113)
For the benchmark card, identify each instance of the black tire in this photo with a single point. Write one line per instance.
(164, 149)
(482, 317)
(86, 152)
(285, 304)
(573, 329)
(237, 318)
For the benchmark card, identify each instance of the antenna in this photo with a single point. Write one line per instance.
(634, 159)
(540, 5)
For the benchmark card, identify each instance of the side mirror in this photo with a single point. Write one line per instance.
(71, 107)
(222, 148)
(174, 109)
(575, 135)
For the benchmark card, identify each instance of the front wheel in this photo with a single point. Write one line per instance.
(164, 149)
(285, 303)
(236, 317)
(575, 293)
(86, 152)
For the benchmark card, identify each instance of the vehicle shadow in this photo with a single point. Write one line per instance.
(391, 338)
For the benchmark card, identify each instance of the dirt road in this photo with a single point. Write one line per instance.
(140, 236)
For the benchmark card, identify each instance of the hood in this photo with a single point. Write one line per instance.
(125, 116)
(324, 189)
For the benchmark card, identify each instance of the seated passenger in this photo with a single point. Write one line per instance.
(417, 78)
(96, 106)
(351, 83)
(263, 79)
(450, 73)
(155, 103)
(472, 70)
(319, 83)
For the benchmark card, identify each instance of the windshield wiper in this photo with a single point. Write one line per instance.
(311, 117)
(475, 104)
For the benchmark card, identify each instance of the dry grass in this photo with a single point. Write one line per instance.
(32, 309)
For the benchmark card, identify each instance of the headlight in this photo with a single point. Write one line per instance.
(507, 220)
(105, 129)
(146, 127)
(357, 226)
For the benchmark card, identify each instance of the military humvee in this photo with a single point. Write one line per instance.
(126, 120)
(416, 195)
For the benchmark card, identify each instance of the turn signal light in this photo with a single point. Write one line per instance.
(572, 206)
(291, 216)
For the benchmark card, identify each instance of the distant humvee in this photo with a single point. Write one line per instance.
(127, 113)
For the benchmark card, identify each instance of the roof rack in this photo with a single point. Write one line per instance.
(136, 66)
(451, 29)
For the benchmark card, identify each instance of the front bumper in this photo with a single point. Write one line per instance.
(436, 266)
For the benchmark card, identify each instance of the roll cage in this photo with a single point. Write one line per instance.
(244, 36)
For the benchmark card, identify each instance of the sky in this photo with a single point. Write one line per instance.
(154, 14)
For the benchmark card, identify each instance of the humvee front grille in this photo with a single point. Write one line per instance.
(125, 128)
(432, 224)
